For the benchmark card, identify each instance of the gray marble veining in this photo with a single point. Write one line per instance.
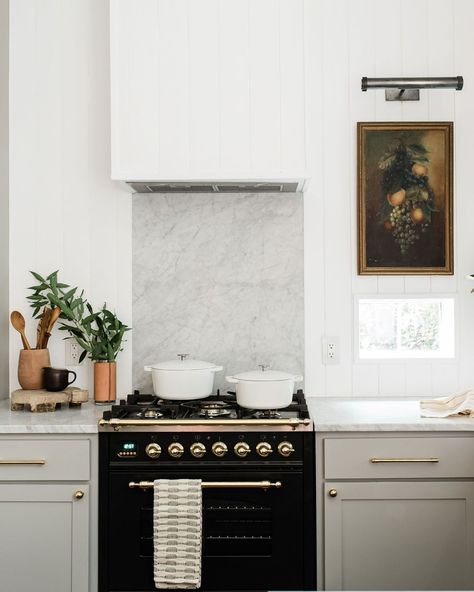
(219, 277)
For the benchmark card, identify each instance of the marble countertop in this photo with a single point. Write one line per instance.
(330, 414)
(337, 414)
(78, 420)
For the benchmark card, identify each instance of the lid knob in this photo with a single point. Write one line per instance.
(183, 356)
(263, 367)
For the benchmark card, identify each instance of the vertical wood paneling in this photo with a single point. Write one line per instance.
(265, 108)
(392, 379)
(365, 379)
(315, 253)
(136, 83)
(292, 85)
(418, 379)
(336, 189)
(204, 119)
(173, 96)
(234, 85)
(362, 62)
(65, 209)
(463, 202)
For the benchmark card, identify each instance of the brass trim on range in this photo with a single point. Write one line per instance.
(213, 422)
(431, 459)
(217, 484)
(39, 461)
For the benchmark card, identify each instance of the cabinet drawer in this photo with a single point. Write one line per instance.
(398, 458)
(44, 460)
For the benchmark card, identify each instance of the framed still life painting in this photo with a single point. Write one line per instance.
(405, 198)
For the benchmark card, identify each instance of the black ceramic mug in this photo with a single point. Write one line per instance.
(57, 379)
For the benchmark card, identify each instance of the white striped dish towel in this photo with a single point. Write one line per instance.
(177, 533)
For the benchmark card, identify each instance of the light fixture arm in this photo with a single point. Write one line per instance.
(407, 89)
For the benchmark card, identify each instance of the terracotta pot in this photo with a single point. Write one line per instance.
(30, 368)
(105, 382)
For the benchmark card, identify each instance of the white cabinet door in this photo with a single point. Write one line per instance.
(399, 536)
(44, 538)
(207, 90)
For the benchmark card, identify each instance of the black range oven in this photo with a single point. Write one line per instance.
(258, 498)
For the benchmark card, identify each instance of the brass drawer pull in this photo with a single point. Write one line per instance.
(23, 462)
(217, 484)
(430, 459)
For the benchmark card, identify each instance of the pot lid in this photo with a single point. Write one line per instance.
(183, 362)
(264, 375)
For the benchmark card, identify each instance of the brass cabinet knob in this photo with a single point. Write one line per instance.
(78, 494)
(219, 449)
(176, 450)
(332, 492)
(264, 449)
(198, 450)
(285, 448)
(241, 449)
(153, 450)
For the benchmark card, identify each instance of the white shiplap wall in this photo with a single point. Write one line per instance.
(346, 40)
(3, 198)
(65, 213)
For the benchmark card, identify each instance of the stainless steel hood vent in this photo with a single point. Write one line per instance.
(218, 187)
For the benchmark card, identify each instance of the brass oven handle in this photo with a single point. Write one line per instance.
(430, 459)
(217, 484)
(292, 421)
(23, 462)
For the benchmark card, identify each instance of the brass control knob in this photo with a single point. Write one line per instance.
(219, 449)
(285, 448)
(241, 449)
(153, 450)
(198, 450)
(264, 449)
(176, 450)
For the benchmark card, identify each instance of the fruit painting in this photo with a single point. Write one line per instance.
(405, 198)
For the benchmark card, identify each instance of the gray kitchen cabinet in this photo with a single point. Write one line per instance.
(48, 513)
(44, 537)
(395, 511)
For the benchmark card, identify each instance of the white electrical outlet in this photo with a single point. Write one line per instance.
(331, 350)
(73, 351)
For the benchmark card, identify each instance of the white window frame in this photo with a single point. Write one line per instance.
(415, 357)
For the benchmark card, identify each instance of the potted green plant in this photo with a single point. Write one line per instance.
(100, 333)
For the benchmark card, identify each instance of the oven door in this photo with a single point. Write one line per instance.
(252, 538)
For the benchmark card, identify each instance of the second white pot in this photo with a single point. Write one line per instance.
(264, 389)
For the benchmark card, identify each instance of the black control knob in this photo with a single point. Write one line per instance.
(153, 450)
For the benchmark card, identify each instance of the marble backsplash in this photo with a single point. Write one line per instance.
(218, 276)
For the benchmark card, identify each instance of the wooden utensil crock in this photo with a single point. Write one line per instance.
(30, 368)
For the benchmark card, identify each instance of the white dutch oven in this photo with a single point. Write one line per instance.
(183, 379)
(264, 389)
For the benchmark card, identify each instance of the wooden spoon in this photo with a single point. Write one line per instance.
(52, 319)
(18, 322)
(43, 325)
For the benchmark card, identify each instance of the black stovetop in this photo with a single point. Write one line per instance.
(219, 406)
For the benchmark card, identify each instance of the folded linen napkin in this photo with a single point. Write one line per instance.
(459, 404)
(177, 533)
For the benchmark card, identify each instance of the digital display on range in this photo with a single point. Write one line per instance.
(127, 449)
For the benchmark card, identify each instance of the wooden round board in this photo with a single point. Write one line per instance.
(41, 400)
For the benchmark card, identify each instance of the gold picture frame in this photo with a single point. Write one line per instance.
(405, 198)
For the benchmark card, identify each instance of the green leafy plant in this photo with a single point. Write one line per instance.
(100, 333)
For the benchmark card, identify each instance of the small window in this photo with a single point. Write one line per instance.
(395, 328)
